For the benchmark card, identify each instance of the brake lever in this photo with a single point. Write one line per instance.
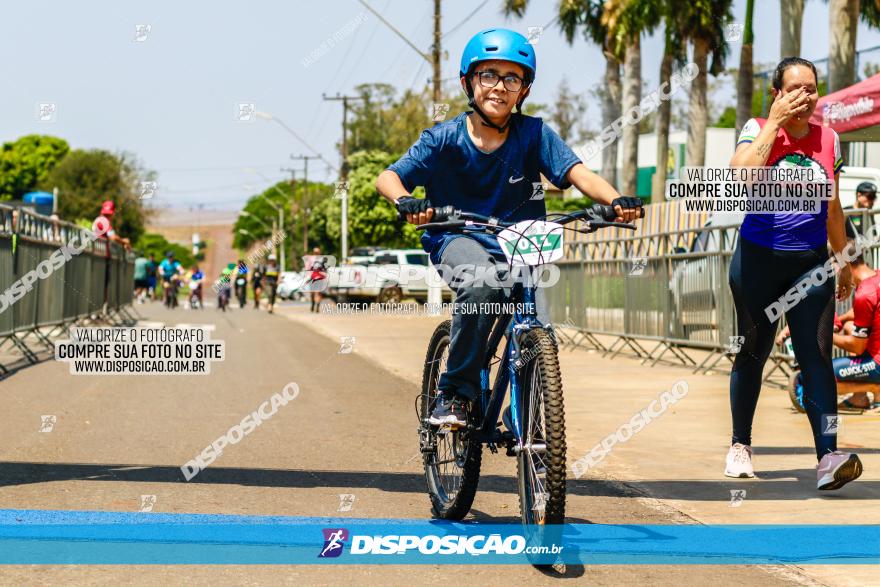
(594, 225)
(442, 225)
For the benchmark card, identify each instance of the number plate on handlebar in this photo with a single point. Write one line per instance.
(532, 242)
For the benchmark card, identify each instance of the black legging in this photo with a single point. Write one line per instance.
(759, 276)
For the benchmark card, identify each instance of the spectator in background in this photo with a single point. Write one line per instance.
(151, 277)
(316, 264)
(866, 194)
(141, 274)
(108, 209)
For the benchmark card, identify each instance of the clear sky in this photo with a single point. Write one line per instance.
(172, 97)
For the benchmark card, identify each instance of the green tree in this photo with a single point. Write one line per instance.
(727, 119)
(258, 217)
(25, 163)
(158, 245)
(372, 219)
(567, 204)
(85, 178)
(299, 205)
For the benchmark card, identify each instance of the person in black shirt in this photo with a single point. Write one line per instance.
(270, 276)
(257, 284)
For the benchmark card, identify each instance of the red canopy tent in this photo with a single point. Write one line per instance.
(854, 112)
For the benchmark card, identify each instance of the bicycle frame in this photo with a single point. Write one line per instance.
(511, 327)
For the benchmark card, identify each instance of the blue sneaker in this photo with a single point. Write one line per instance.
(449, 410)
(796, 392)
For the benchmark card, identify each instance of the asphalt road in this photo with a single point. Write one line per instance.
(351, 431)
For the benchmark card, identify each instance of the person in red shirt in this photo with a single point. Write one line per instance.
(860, 335)
(857, 331)
(108, 209)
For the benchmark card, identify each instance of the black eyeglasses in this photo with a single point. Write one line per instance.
(489, 79)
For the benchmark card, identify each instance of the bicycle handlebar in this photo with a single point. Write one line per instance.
(596, 216)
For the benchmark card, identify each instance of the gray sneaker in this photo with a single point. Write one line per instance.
(448, 410)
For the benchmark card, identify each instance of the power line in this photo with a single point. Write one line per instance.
(397, 32)
(219, 168)
(467, 18)
(363, 52)
(204, 189)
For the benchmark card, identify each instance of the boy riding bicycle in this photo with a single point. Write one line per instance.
(490, 162)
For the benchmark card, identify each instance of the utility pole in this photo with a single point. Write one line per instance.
(435, 52)
(433, 59)
(292, 214)
(344, 171)
(305, 199)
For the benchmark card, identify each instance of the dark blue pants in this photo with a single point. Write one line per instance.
(470, 330)
(759, 276)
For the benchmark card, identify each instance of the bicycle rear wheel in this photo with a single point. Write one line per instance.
(451, 458)
(541, 462)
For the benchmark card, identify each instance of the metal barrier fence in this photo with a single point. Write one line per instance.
(666, 290)
(97, 281)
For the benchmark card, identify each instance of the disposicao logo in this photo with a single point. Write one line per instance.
(334, 541)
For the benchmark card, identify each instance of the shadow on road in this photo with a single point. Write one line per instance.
(796, 484)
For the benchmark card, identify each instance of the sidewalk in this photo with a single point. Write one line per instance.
(677, 459)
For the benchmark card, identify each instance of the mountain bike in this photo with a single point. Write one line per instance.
(532, 427)
(171, 286)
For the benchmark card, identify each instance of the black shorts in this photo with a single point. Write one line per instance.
(142, 283)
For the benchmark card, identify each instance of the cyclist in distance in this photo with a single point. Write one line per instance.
(170, 271)
(487, 161)
(778, 252)
(257, 284)
(271, 277)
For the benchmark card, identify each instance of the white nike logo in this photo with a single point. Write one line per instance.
(511, 180)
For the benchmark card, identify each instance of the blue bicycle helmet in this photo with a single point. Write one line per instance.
(503, 44)
(499, 44)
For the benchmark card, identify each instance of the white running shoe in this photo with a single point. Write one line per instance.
(836, 469)
(739, 462)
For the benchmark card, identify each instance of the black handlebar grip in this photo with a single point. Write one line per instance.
(607, 212)
(442, 214)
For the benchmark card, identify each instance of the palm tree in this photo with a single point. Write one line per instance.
(673, 53)
(703, 22)
(844, 20)
(745, 81)
(625, 20)
(792, 13)
(586, 16)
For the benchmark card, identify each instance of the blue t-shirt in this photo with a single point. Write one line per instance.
(169, 268)
(504, 183)
(198, 275)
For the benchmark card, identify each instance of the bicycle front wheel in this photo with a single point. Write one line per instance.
(541, 461)
(452, 458)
